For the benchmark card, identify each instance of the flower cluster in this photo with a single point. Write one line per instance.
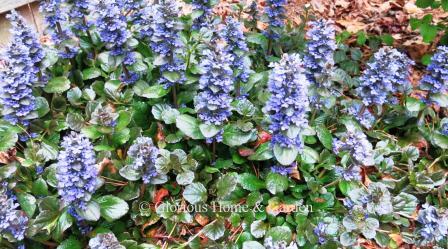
(22, 57)
(144, 23)
(356, 144)
(76, 170)
(82, 224)
(352, 173)
(320, 49)
(205, 8)
(78, 11)
(135, 10)
(358, 220)
(253, 13)
(288, 105)
(275, 11)
(166, 43)
(12, 221)
(433, 226)
(56, 18)
(436, 80)
(213, 102)
(104, 116)
(112, 28)
(387, 74)
(444, 129)
(105, 241)
(364, 116)
(232, 34)
(143, 154)
(376, 198)
(284, 170)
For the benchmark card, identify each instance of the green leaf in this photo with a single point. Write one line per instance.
(426, 59)
(111, 207)
(382, 239)
(244, 107)
(124, 118)
(46, 220)
(189, 126)
(258, 228)
(70, 243)
(214, 230)
(440, 140)
(429, 32)
(361, 38)
(64, 222)
(263, 152)
(91, 73)
(42, 107)
(107, 62)
(57, 85)
(142, 89)
(252, 245)
(276, 183)
(91, 213)
(258, 38)
(233, 136)
(74, 96)
(91, 132)
(121, 137)
(355, 54)
(185, 178)
(285, 156)
(40, 187)
(75, 121)
(440, 98)
(280, 233)
(195, 193)
(226, 184)
(27, 203)
(424, 3)
(8, 139)
(250, 182)
(387, 39)
(171, 76)
(445, 5)
(129, 173)
(414, 105)
(347, 239)
(405, 203)
(309, 155)
(325, 137)
(209, 130)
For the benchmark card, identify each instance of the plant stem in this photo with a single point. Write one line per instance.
(214, 150)
(173, 91)
(237, 89)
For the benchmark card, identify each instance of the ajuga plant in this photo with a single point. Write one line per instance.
(287, 107)
(275, 12)
(166, 43)
(436, 80)
(320, 63)
(57, 21)
(202, 13)
(13, 222)
(386, 74)
(232, 34)
(21, 75)
(165, 124)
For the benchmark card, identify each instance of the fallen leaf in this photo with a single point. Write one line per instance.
(160, 194)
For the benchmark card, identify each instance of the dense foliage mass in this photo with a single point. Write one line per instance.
(164, 125)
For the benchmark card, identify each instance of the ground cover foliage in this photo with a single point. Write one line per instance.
(166, 125)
